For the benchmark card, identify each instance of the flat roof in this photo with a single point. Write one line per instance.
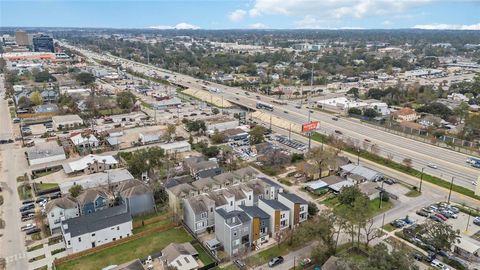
(43, 150)
(97, 179)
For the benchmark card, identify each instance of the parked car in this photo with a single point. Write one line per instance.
(338, 131)
(27, 202)
(28, 227)
(27, 217)
(40, 199)
(389, 181)
(439, 265)
(435, 218)
(27, 207)
(449, 214)
(423, 213)
(334, 118)
(275, 261)
(398, 223)
(32, 231)
(417, 256)
(305, 261)
(430, 256)
(440, 216)
(240, 264)
(476, 221)
(453, 209)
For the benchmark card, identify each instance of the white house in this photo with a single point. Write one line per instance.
(88, 141)
(45, 153)
(60, 209)
(66, 121)
(298, 207)
(180, 256)
(95, 229)
(176, 147)
(278, 212)
(91, 164)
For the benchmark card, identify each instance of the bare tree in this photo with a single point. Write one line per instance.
(374, 149)
(407, 162)
(370, 232)
(390, 156)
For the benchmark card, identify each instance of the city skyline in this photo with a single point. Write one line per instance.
(256, 14)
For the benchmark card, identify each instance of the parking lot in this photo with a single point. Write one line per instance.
(293, 144)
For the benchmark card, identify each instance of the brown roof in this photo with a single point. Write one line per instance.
(182, 188)
(405, 111)
(411, 125)
(332, 179)
(89, 195)
(136, 190)
(368, 188)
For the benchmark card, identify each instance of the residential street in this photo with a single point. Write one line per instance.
(12, 164)
(290, 259)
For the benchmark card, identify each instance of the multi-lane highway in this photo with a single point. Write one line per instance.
(449, 163)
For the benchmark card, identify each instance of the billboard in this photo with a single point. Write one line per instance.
(308, 127)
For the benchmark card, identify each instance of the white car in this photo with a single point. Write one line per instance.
(439, 265)
(433, 166)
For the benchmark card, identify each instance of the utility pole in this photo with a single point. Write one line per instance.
(381, 197)
(450, 191)
(148, 55)
(421, 181)
(309, 133)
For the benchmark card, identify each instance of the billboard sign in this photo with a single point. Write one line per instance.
(312, 126)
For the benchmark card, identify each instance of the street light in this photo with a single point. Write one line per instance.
(450, 191)
(421, 181)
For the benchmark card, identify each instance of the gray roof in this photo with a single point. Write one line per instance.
(332, 179)
(66, 118)
(199, 204)
(131, 265)
(43, 150)
(202, 165)
(269, 181)
(367, 173)
(98, 220)
(203, 182)
(89, 195)
(224, 178)
(293, 198)
(255, 211)
(65, 202)
(244, 172)
(275, 204)
(136, 189)
(233, 217)
(181, 188)
(173, 250)
(97, 179)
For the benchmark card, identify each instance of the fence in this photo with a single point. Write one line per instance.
(207, 250)
(112, 244)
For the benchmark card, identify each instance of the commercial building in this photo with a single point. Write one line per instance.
(66, 121)
(220, 123)
(102, 227)
(176, 147)
(43, 43)
(21, 37)
(44, 153)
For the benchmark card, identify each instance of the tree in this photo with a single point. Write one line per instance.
(125, 100)
(217, 137)
(407, 162)
(36, 98)
(355, 111)
(170, 132)
(322, 158)
(440, 235)
(312, 209)
(348, 195)
(75, 190)
(353, 91)
(462, 110)
(211, 151)
(437, 109)
(257, 135)
(370, 113)
(215, 111)
(43, 76)
(374, 149)
(85, 78)
(23, 102)
(144, 160)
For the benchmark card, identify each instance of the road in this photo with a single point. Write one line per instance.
(450, 163)
(12, 164)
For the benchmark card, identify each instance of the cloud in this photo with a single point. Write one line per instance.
(237, 15)
(387, 22)
(179, 26)
(258, 26)
(314, 11)
(443, 26)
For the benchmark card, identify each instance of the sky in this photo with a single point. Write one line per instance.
(243, 14)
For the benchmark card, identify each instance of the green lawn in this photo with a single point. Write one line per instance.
(34, 248)
(202, 254)
(24, 192)
(131, 250)
(389, 227)
(373, 206)
(413, 193)
(45, 186)
(152, 225)
(278, 250)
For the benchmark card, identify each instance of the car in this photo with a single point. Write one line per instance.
(436, 219)
(453, 209)
(285, 111)
(423, 213)
(41, 199)
(338, 131)
(246, 93)
(389, 181)
(430, 256)
(305, 261)
(258, 97)
(398, 223)
(476, 221)
(55, 195)
(449, 214)
(27, 227)
(440, 216)
(240, 264)
(27, 217)
(27, 207)
(334, 118)
(367, 140)
(439, 265)
(16, 120)
(32, 231)
(433, 166)
(27, 202)
(275, 261)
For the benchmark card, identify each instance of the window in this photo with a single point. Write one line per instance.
(249, 197)
(186, 259)
(68, 242)
(93, 234)
(203, 215)
(302, 208)
(52, 215)
(231, 203)
(211, 209)
(113, 239)
(118, 228)
(235, 234)
(179, 263)
(79, 239)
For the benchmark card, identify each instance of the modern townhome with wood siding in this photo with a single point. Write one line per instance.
(260, 222)
(298, 207)
(279, 215)
(232, 229)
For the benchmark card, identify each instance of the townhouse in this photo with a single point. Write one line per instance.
(232, 229)
(279, 215)
(298, 207)
(260, 221)
(91, 201)
(60, 209)
(198, 213)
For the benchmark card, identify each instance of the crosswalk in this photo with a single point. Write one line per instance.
(16, 257)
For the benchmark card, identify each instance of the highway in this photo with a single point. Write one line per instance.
(450, 163)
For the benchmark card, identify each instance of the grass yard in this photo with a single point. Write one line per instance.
(45, 186)
(24, 192)
(277, 250)
(202, 254)
(152, 225)
(34, 247)
(131, 250)
(389, 227)
(413, 193)
(373, 205)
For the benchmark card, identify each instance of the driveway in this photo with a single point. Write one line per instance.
(291, 259)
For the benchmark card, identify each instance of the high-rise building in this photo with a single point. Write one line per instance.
(43, 43)
(21, 37)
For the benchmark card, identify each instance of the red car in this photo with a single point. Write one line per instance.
(442, 217)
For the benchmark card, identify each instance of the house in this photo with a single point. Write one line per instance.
(85, 141)
(405, 114)
(201, 168)
(177, 193)
(102, 227)
(68, 121)
(109, 179)
(91, 201)
(331, 263)
(180, 256)
(149, 137)
(279, 215)
(220, 123)
(44, 153)
(324, 183)
(298, 207)
(358, 173)
(198, 213)
(264, 188)
(176, 147)
(90, 164)
(60, 209)
(137, 197)
(468, 249)
(260, 222)
(337, 187)
(232, 230)
(370, 189)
